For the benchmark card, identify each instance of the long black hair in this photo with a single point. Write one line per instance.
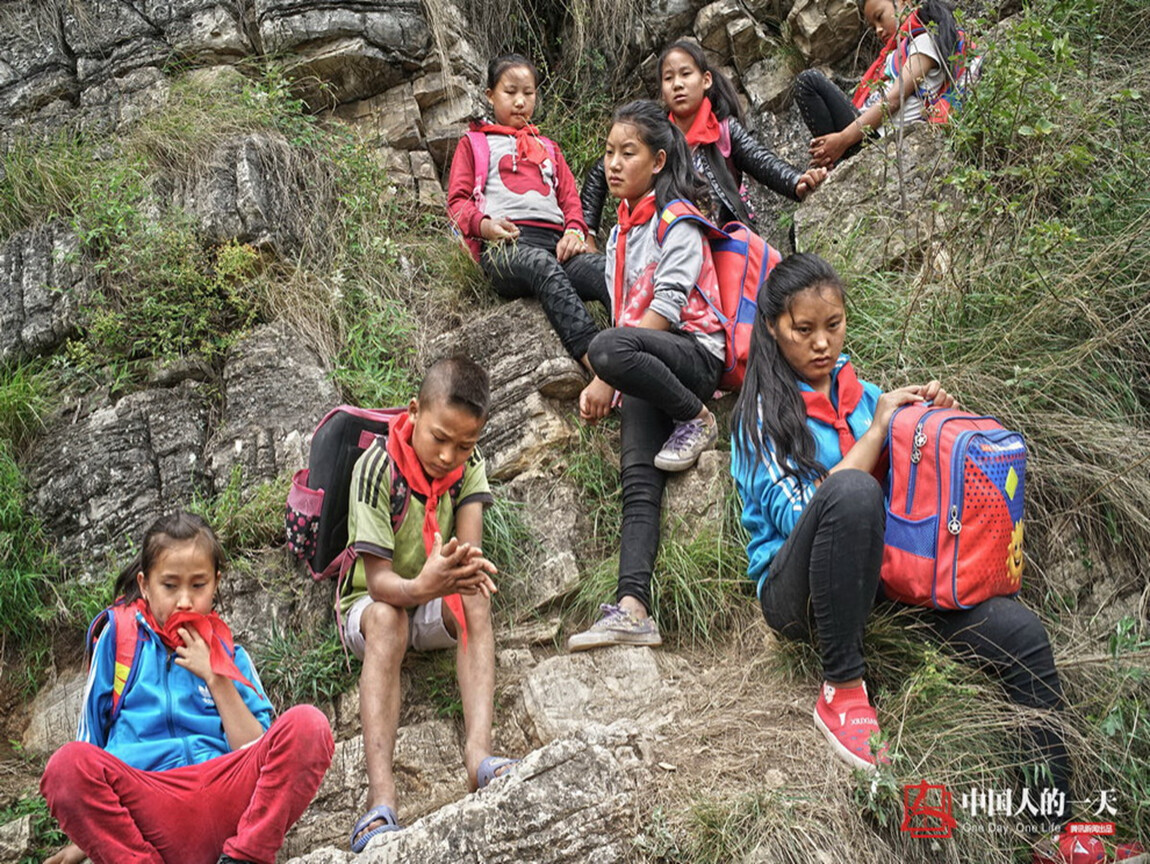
(173, 528)
(724, 100)
(678, 179)
(769, 404)
(945, 30)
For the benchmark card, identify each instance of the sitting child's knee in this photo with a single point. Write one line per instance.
(477, 608)
(383, 622)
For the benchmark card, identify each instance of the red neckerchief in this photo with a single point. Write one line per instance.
(528, 147)
(642, 214)
(704, 128)
(876, 74)
(210, 627)
(404, 458)
(819, 407)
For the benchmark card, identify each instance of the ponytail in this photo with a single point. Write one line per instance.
(678, 179)
(770, 405)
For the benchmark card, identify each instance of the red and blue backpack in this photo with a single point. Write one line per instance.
(121, 617)
(954, 524)
(743, 261)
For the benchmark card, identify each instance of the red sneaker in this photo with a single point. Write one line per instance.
(1128, 851)
(1070, 849)
(848, 721)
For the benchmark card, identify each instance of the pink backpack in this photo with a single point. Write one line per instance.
(481, 155)
(954, 508)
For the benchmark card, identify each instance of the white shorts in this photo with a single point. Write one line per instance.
(425, 628)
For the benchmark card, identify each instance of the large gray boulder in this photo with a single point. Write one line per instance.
(572, 802)
(429, 774)
(253, 190)
(824, 30)
(341, 53)
(275, 391)
(42, 284)
(880, 210)
(564, 693)
(98, 480)
(36, 67)
(534, 384)
(53, 715)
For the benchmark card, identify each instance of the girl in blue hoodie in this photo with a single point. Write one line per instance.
(177, 758)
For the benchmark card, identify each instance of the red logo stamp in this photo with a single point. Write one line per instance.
(926, 810)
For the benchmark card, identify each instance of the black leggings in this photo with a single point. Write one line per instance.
(824, 107)
(663, 376)
(823, 583)
(529, 268)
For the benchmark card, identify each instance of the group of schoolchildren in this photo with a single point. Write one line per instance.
(189, 766)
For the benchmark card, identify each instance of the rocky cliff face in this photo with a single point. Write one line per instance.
(405, 76)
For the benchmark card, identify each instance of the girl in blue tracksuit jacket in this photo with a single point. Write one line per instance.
(806, 436)
(177, 758)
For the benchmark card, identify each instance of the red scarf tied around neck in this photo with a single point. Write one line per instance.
(819, 406)
(405, 459)
(628, 219)
(705, 127)
(211, 628)
(528, 147)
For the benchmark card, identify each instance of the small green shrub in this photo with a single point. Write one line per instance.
(304, 666)
(246, 517)
(46, 835)
(375, 364)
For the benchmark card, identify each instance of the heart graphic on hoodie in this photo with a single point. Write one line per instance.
(522, 178)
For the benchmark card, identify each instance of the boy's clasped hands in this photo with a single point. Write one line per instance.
(457, 568)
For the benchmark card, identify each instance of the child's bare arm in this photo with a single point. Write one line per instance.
(452, 567)
(240, 725)
(469, 531)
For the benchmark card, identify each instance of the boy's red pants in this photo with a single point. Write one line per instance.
(241, 803)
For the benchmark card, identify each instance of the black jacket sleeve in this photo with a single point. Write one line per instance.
(751, 157)
(594, 194)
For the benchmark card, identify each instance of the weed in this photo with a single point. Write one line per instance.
(305, 666)
(26, 563)
(26, 395)
(512, 547)
(245, 516)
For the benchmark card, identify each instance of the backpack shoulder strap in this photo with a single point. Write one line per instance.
(724, 141)
(481, 155)
(680, 209)
(126, 631)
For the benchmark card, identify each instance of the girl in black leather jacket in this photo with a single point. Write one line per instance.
(705, 107)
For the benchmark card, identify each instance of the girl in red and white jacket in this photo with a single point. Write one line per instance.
(514, 200)
(664, 355)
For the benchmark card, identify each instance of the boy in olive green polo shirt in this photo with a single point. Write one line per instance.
(410, 587)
